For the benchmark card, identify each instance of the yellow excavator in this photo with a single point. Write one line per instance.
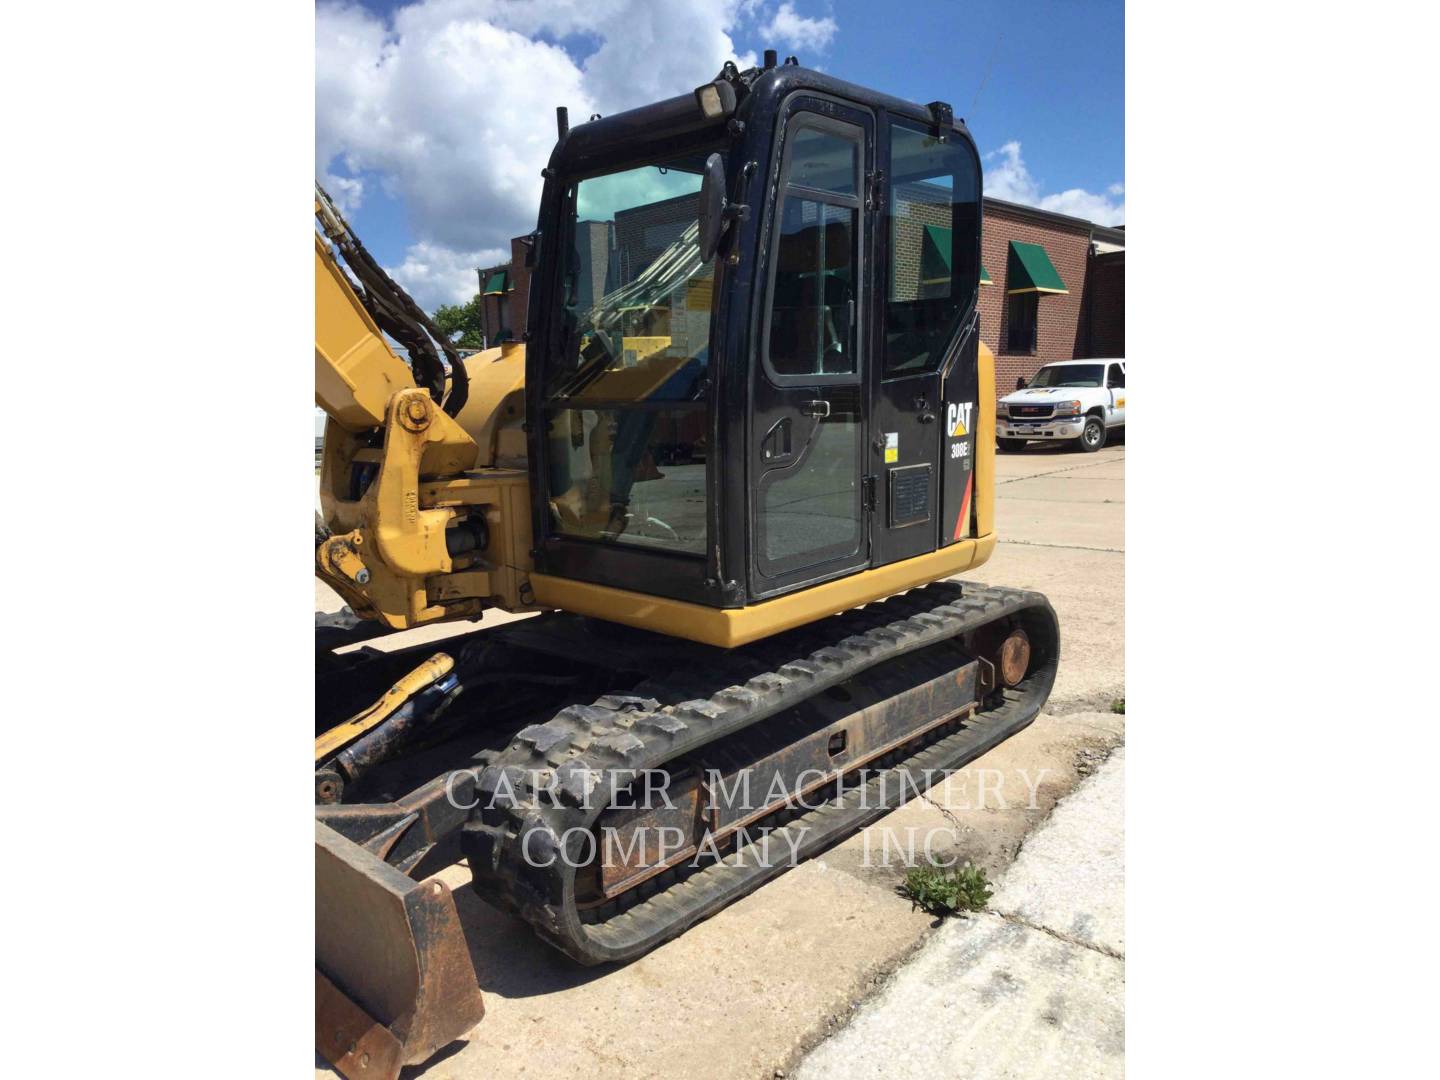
(746, 443)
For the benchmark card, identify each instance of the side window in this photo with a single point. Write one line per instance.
(812, 315)
(1116, 376)
(933, 210)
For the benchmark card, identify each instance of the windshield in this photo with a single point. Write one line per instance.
(1057, 375)
(626, 387)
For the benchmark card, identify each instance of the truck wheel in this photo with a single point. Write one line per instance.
(1011, 446)
(1092, 438)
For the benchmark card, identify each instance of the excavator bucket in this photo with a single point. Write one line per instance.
(393, 977)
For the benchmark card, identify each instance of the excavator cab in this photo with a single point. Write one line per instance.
(794, 406)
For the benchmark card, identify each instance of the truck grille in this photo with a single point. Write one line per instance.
(1031, 412)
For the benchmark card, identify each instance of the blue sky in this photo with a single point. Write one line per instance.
(434, 117)
(1057, 84)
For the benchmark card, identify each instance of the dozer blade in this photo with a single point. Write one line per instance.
(393, 977)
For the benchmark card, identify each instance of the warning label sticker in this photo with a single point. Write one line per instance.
(892, 447)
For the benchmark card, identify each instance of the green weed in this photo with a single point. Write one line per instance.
(941, 891)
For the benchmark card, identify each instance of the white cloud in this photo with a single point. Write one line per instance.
(346, 191)
(795, 31)
(452, 104)
(1007, 177)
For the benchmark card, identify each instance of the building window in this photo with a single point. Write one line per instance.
(1022, 317)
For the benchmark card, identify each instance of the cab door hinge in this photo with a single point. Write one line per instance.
(867, 492)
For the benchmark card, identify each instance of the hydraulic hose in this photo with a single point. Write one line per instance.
(396, 313)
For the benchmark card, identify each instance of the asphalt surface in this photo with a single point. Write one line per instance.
(753, 990)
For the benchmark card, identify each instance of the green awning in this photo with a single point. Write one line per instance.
(935, 256)
(935, 264)
(1029, 270)
(497, 284)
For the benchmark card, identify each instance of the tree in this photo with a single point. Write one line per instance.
(467, 320)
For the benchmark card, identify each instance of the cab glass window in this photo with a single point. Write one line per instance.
(626, 390)
(812, 315)
(1116, 377)
(824, 160)
(933, 217)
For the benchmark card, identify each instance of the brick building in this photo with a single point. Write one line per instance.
(1053, 286)
(505, 295)
(1056, 289)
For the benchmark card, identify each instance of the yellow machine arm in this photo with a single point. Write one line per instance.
(428, 513)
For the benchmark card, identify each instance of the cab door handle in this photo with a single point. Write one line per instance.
(819, 409)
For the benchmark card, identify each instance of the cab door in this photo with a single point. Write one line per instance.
(925, 341)
(809, 519)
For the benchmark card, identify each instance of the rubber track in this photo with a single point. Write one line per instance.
(628, 733)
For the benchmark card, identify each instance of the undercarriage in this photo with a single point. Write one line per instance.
(612, 787)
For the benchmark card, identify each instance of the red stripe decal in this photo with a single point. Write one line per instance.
(964, 507)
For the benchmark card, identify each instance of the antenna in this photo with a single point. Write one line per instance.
(986, 77)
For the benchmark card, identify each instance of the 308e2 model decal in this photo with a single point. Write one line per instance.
(958, 418)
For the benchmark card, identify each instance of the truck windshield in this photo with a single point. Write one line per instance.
(1057, 375)
(625, 388)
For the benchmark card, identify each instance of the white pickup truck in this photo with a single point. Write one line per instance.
(1070, 399)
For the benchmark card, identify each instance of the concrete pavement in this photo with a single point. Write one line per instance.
(752, 990)
(1032, 987)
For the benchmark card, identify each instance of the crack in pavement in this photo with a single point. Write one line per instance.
(1067, 547)
(1070, 502)
(1020, 920)
(947, 814)
(1055, 472)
